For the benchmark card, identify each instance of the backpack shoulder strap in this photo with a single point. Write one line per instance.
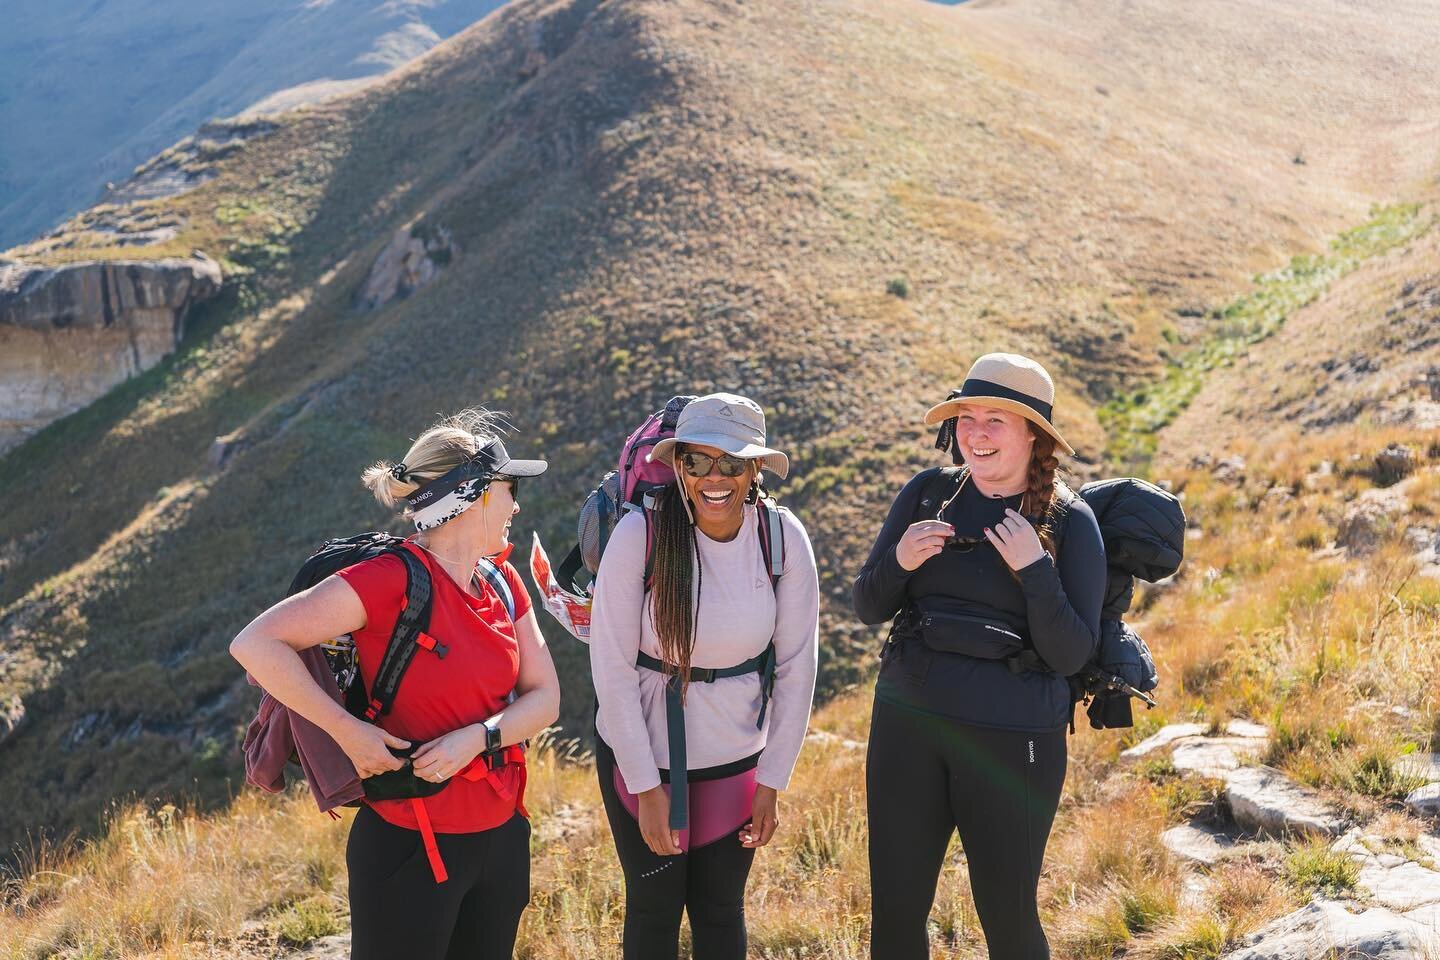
(494, 576)
(1060, 514)
(772, 537)
(772, 541)
(410, 625)
(649, 574)
(936, 489)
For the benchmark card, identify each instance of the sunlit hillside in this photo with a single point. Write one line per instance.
(831, 206)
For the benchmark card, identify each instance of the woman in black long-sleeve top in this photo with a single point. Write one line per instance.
(972, 702)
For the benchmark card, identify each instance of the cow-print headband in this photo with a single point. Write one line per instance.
(450, 505)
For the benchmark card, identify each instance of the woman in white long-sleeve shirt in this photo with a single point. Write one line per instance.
(704, 664)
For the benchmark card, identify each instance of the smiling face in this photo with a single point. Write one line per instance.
(718, 501)
(996, 444)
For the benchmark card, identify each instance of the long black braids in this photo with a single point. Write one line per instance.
(676, 566)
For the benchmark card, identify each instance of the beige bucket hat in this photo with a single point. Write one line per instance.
(727, 422)
(1010, 382)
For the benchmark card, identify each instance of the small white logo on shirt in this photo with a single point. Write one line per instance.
(1032, 751)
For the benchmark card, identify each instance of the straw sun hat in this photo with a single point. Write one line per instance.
(1010, 382)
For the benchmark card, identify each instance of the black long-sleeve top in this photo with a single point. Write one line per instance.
(1058, 609)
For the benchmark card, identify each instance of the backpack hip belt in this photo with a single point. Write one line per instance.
(404, 785)
(763, 664)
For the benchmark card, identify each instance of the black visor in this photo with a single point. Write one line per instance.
(489, 462)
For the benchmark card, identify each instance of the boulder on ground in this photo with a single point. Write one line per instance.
(1325, 928)
(1163, 738)
(1425, 800)
(1394, 463)
(1392, 880)
(1200, 843)
(1369, 519)
(1264, 800)
(1216, 756)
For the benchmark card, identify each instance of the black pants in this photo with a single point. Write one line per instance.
(708, 883)
(397, 910)
(927, 777)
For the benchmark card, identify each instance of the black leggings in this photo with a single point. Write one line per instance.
(398, 910)
(708, 883)
(926, 777)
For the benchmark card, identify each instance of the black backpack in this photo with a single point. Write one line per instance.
(411, 626)
(1123, 667)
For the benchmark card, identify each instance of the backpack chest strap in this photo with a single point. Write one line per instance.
(763, 664)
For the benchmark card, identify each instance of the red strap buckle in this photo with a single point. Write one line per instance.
(428, 642)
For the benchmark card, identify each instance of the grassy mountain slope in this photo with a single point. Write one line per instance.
(648, 198)
(90, 89)
(1358, 354)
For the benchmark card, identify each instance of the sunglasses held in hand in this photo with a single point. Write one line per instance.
(954, 541)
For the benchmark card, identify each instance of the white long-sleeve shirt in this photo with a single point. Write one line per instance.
(739, 613)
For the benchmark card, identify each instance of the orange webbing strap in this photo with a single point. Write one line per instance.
(480, 770)
(427, 835)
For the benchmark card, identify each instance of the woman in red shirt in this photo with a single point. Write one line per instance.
(448, 875)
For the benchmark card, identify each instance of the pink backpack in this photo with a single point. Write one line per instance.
(630, 486)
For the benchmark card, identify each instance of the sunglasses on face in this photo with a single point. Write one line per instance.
(699, 464)
(514, 483)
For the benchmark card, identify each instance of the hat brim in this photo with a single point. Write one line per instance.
(944, 411)
(522, 468)
(771, 459)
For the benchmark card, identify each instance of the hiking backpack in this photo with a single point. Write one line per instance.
(632, 485)
(410, 632)
(1122, 667)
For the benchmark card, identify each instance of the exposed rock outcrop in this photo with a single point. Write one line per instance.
(1198, 842)
(188, 163)
(12, 718)
(1327, 929)
(1370, 518)
(69, 334)
(1264, 800)
(410, 260)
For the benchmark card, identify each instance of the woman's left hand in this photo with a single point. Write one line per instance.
(764, 818)
(440, 759)
(1016, 540)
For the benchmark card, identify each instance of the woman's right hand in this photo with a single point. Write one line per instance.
(655, 822)
(921, 541)
(368, 748)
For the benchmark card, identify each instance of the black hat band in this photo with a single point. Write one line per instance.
(985, 388)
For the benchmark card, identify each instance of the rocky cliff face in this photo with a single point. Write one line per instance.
(68, 334)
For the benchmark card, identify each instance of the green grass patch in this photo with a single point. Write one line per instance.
(1313, 868)
(1203, 938)
(1133, 421)
(305, 922)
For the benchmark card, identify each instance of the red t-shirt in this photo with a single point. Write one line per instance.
(437, 696)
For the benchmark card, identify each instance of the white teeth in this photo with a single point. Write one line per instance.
(983, 453)
(715, 497)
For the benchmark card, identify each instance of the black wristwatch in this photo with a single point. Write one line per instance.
(492, 736)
